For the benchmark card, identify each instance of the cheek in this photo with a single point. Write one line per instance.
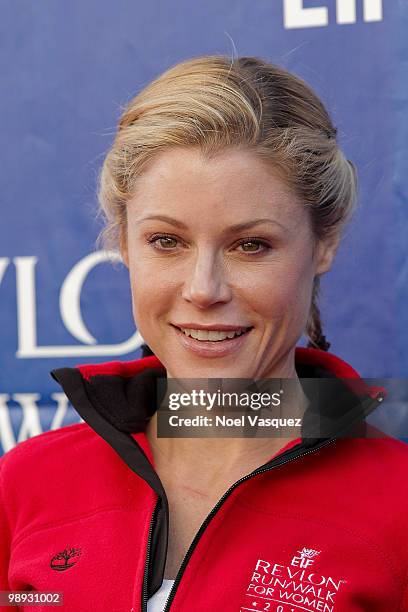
(281, 293)
(151, 290)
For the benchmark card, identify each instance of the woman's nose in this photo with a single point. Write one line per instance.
(206, 282)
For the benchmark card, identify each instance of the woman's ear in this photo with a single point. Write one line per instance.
(325, 254)
(123, 248)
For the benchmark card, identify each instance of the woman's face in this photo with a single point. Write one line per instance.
(196, 267)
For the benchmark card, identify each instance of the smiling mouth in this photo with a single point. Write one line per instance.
(213, 336)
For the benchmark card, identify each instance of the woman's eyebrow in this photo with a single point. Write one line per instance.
(235, 227)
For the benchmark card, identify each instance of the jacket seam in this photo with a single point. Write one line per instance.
(51, 524)
(373, 546)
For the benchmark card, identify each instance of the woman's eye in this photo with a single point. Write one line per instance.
(166, 242)
(253, 242)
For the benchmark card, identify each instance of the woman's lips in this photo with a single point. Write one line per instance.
(208, 348)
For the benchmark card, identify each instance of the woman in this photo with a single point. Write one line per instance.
(226, 192)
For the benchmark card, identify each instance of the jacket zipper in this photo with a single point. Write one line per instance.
(204, 525)
(147, 563)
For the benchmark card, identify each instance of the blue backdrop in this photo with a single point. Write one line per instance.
(66, 71)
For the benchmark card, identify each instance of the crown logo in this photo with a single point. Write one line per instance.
(305, 557)
(309, 553)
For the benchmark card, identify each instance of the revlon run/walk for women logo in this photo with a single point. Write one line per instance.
(276, 587)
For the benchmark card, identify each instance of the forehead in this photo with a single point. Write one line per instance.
(235, 182)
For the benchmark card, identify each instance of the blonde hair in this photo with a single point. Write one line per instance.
(213, 103)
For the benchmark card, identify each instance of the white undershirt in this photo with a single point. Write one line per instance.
(157, 602)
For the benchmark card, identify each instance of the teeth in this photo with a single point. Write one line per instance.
(212, 335)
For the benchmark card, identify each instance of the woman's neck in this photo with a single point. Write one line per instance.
(212, 457)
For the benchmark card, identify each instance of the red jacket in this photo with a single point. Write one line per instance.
(321, 526)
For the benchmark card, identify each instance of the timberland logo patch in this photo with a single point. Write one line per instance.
(65, 559)
(280, 587)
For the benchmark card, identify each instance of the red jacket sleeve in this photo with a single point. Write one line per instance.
(5, 537)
